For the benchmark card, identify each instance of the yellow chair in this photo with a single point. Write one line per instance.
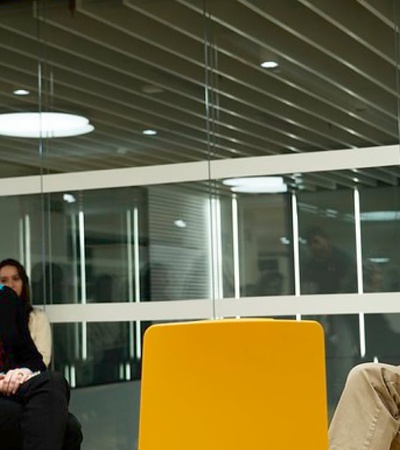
(234, 385)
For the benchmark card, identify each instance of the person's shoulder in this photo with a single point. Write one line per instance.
(37, 314)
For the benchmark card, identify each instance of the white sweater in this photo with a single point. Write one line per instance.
(39, 327)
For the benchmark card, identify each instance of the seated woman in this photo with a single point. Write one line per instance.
(13, 275)
(33, 401)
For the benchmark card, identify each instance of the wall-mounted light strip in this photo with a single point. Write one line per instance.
(82, 256)
(211, 262)
(216, 250)
(136, 253)
(75, 284)
(296, 240)
(235, 245)
(129, 245)
(73, 376)
(82, 260)
(128, 371)
(130, 275)
(357, 228)
(21, 241)
(359, 260)
(74, 246)
(28, 249)
(296, 253)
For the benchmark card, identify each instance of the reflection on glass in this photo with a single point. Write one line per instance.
(161, 243)
(380, 239)
(96, 352)
(108, 352)
(328, 266)
(128, 244)
(341, 348)
(382, 333)
(256, 228)
(327, 253)
(327, 269)
(94, 243)
(178, 265)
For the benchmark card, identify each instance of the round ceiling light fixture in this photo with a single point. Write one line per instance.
(21, 92)
(257, 185)
(43, 125)
(269, 64)
(149, 132)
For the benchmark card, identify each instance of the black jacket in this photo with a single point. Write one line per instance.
(18, 347)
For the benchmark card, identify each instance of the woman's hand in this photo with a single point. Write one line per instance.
(12, 380)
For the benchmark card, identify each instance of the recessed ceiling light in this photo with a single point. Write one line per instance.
(45, 124)
(380, 216)
(257, 185)
(149, 132)
(69, 198)
(331, 212)
(269, 64)
(152, 89)
(378, 260)
(180, 223)
(259, 189)
(21, 92)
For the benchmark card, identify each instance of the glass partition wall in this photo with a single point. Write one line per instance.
(229, 159)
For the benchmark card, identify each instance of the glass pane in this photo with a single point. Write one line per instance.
(380, 239)
(342, 347)
(379, 213)
(255, 233)
(179, 239)
(130, 244)
(382, 332)
(98, 352)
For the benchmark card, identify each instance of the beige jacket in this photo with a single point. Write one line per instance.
(39, 327)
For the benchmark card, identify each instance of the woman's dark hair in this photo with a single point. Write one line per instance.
(26, 292)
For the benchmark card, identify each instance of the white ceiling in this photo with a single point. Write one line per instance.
(135, 64)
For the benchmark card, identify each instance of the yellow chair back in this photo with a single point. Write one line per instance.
(241, 384)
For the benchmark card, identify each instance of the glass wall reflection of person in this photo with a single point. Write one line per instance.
(329, 270)
(14, 276)
(373, 277)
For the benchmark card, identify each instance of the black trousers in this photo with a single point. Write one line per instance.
(37, 416)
